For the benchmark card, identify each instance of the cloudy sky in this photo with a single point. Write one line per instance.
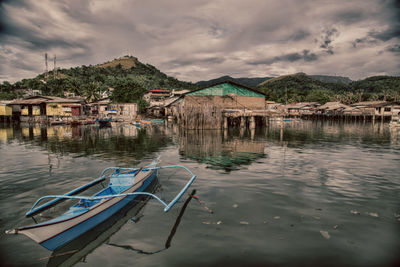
(196, 40)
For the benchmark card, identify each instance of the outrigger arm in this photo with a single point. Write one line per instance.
(167, 206)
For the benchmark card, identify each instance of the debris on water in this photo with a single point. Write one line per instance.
(265, 222)
(244, 222)
(355, 212)
(235, 206)
(325, 234)
(277, 217)
(203, 204)
(373, 214)
(316, 217)
(318, 209)
(136, 219)
(219, 222)
(336, 227)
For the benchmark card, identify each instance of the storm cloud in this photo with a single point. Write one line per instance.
(204, 39)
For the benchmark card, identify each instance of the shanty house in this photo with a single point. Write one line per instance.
(31, 106)
(125, 110)
(100, 107)
(5, 109)
(377, 108)
(302, 108)
(64, 107)
(156, 94)
(42, 106)
(332, 108)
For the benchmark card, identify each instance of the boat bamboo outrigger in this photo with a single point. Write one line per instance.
(125, 185)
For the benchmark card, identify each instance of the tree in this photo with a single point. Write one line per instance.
(127, 91)
(91, 91)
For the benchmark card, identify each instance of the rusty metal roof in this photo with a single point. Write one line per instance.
(37, 100)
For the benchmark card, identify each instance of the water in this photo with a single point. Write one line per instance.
(302, 193)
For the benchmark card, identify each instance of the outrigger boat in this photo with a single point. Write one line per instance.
(126, 184)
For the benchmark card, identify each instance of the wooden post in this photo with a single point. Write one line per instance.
(252, 122)
(242, 122)
(241, 133)
(225, 122)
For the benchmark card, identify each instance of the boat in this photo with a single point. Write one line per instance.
(74, 251)
(57, 122)
(125, 185)
(141, 123)
(104, 122)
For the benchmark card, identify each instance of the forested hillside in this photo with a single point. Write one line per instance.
(128, 76)
(129, 79)
(302, 88)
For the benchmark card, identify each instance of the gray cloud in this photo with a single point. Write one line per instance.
(291, 57)
(186, 62)
(351, 16)
(202, 39)
(394, 49)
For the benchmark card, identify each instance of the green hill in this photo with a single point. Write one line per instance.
(303, 88)
(125, 74)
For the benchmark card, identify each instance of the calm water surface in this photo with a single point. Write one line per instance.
(298, 194)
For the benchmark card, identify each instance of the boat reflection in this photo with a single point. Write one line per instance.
(171, 234)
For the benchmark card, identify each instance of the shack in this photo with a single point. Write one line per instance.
(31, 106)
(125, 111)
(40, 108)
(100, 107)
(332, 108)
(5, 111)
(301, 108)
(376, 109)
(204, 108)
(64, 107)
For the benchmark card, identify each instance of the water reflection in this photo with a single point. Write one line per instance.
(226, 150)
(126, 143)
(170, 236)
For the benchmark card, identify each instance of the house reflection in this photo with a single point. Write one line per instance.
(221, 149)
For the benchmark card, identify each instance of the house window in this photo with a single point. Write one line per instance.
(388, 109)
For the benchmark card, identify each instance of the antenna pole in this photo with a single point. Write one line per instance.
(45, 60)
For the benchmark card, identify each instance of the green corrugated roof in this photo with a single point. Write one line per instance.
(225, 88)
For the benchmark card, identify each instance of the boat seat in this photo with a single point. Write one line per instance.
(120, 182)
